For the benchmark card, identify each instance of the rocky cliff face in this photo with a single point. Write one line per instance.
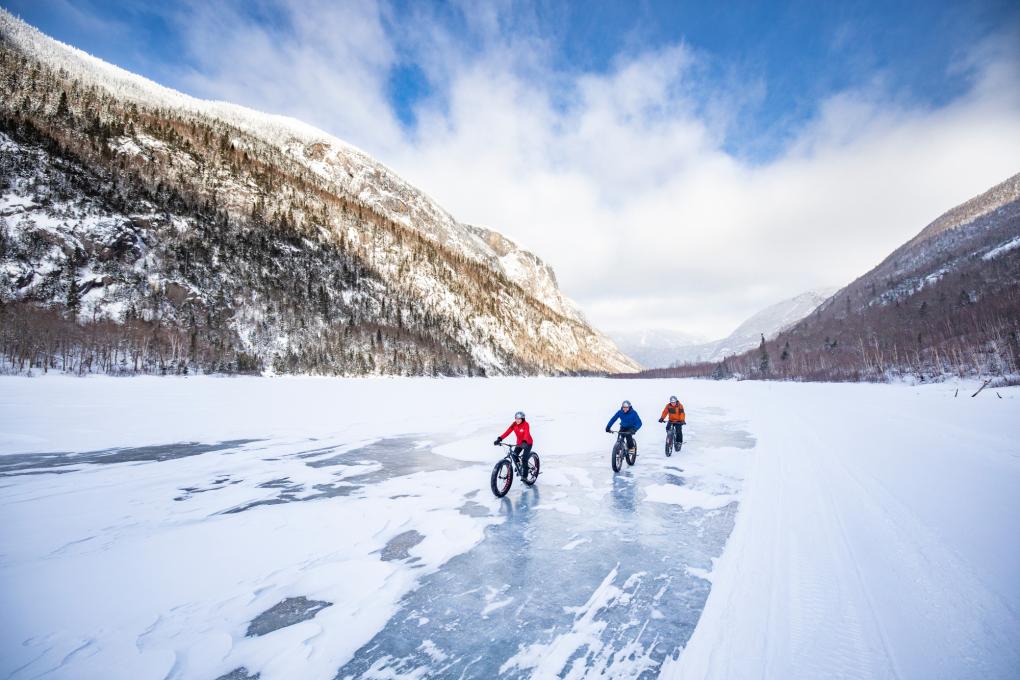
(181, 234)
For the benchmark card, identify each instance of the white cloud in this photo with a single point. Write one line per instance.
(328, 65)
(619, 179)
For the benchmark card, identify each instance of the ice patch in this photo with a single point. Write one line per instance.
(573, 544)
(686, 497)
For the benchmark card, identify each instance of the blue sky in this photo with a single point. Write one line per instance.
(794, 54)
(681, 165)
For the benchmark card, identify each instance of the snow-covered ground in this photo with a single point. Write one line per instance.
(319, 528)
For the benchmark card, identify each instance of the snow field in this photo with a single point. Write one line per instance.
(875, 539)
(875, 535)
(167, 588)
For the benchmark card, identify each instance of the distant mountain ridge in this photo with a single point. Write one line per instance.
(654, 347)
(263, 241)
(658, 349)
(768, 322)
(946, 302)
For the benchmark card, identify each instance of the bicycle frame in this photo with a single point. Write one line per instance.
(514, 462)
(621, 436)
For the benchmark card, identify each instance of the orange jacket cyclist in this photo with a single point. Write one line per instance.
(524, 441)
(674, 411)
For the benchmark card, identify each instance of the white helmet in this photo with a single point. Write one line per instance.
(626, 404)
(519, 414)
(674, 400)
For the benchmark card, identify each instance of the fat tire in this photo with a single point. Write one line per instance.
(616, 459)
(669, 444)
(528, 479)
(500, 490)
(632, 457)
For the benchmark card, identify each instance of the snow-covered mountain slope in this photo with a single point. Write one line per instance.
(140, 154)
(945, 303)
(771, 321)
(656, 347)
(768, 322)
(963, 239)
(990, 201)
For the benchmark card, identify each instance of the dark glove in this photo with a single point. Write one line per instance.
(608, 429)
(499, 440)
(662, 420)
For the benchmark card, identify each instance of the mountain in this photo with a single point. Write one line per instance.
(769, 321)
(145, 230)
(656, 347)
(944, 303)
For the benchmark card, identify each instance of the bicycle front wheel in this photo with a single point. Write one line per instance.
(617, 458)
(669, 444)
(502, 478)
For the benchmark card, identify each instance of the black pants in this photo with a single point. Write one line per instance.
(523, 451)
(628, 436)
(678, 432)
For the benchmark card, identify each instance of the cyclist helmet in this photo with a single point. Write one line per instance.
(673, 400)
(519, 414)
(626, 404)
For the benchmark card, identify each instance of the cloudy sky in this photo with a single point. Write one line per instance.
(680, 167)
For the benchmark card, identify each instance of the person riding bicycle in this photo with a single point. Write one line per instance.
(674, 411)
(630, 423)
(520, 428)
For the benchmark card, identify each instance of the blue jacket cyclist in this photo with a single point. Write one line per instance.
(630, 422)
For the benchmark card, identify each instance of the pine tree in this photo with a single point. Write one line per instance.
(721, 371)
(4, 234)
(764, 362)
(73, 300)
(63, 110)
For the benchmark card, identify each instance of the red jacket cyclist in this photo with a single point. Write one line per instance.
(524, 441)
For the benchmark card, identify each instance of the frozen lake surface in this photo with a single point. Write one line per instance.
(296, 528)
(580, 579)
(583, 576)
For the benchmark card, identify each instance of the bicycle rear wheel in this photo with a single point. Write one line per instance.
(502, 478)
(531, 474)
